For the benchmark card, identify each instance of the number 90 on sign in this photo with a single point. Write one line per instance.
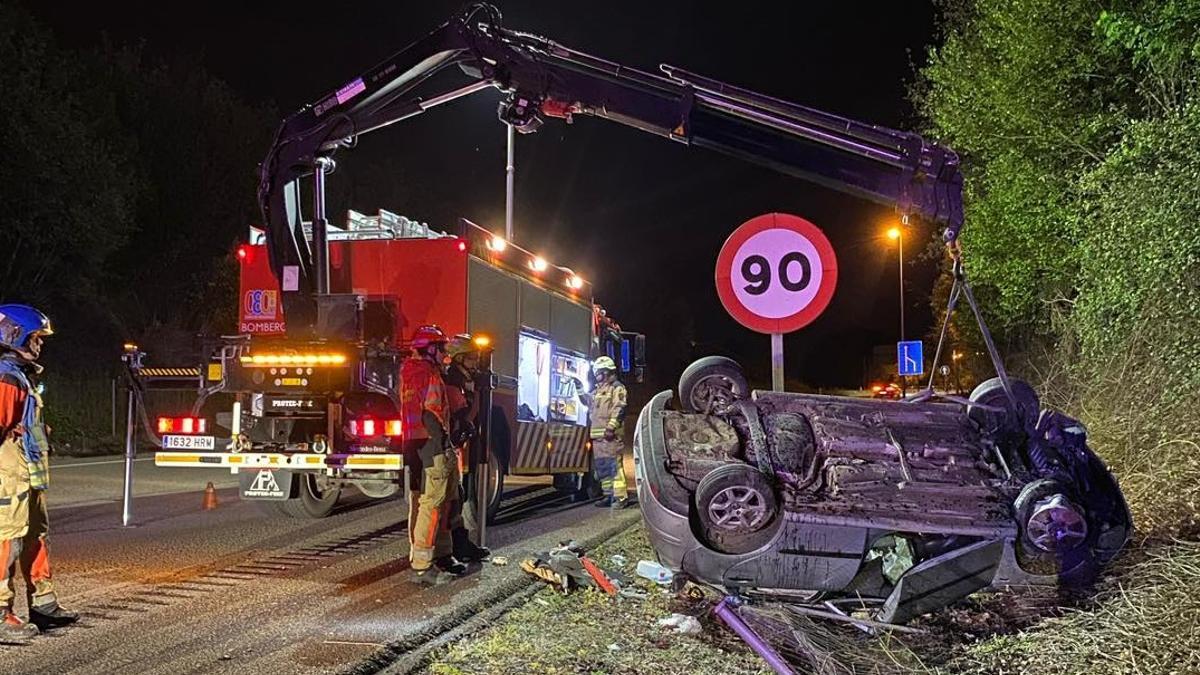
(776, 273)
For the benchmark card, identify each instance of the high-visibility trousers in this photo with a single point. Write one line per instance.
(608, 465)
(24, 528)
(432, 511)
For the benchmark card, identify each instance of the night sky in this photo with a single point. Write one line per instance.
(641, 217)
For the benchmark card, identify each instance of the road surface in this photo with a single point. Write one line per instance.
(231, 590)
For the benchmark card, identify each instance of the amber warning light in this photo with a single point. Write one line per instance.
(324, 359)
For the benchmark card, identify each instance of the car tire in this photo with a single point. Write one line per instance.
(1075, 565)
(991, 393)
(712, 381)
(737, 509)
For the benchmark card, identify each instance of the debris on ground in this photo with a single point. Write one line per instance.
(585, 623)
(567, 567)
(649, 569)
(681, 623)
(499, 560)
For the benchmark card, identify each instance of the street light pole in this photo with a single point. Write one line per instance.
(900, 240)
(509, 178)
(897, 233)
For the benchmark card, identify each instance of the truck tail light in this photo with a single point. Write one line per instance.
(182, 425)
(366, 427)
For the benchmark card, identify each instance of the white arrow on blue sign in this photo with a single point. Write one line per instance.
(910, 357)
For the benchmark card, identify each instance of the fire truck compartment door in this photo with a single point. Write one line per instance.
(570, 325)
(492, 311)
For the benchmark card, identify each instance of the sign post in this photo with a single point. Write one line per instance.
(775, 274)
(776, 361)
(132, 358)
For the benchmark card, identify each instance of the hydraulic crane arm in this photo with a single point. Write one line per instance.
(544, 79)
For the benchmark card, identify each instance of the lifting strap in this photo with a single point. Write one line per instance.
(962, 288)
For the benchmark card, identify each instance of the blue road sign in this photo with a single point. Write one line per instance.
(910, 356)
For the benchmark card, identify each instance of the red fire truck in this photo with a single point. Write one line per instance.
(309, 417)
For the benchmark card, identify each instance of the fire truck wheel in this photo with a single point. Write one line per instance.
(579, 487)
(377, 489)
(495, 489)
(316, 499)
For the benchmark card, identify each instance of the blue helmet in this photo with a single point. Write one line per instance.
(18, 322)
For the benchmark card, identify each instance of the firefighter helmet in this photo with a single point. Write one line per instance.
(603, 363)
(461, 344)
(18, 322)
(428, 335)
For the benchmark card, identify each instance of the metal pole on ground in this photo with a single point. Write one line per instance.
(777, 361)
(728, 615)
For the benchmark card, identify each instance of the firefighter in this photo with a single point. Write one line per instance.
(433, 462)
(607, 404)
(24, 477)
(461, 373)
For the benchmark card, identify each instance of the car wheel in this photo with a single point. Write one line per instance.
(712, 382)
(1058, 536)
(991, 393)
(737, 509)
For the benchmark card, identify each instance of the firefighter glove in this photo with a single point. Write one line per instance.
(462, 433)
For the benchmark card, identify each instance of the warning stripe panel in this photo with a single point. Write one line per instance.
(299, 461)
(528, 453)
(169, 372)
(568, 447)
(549, 447)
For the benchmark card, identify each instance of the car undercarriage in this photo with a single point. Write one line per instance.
(911, 504)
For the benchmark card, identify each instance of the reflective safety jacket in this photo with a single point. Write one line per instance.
(421, 388)
(608, 408)
(21, 420)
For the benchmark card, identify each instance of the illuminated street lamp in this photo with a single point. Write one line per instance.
(896, 234)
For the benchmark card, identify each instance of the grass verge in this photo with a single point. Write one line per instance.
(588, 632)
(1144, 618)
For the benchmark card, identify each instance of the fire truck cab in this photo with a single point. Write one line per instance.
(311, 415)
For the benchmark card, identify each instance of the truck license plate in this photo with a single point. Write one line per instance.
(189, 442)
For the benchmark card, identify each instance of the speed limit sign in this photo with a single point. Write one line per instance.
(776, 273)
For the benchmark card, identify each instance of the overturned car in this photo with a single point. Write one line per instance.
(904, 506)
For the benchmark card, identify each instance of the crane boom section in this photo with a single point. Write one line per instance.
(543, 79)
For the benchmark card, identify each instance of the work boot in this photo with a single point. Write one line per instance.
(621, 503)
(15, 631)
(603, 502)
(450, 565)
(52, 616)
(465, 549)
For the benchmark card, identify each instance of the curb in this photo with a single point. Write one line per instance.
(413, 652)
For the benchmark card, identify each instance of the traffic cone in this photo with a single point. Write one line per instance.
(210, 498)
